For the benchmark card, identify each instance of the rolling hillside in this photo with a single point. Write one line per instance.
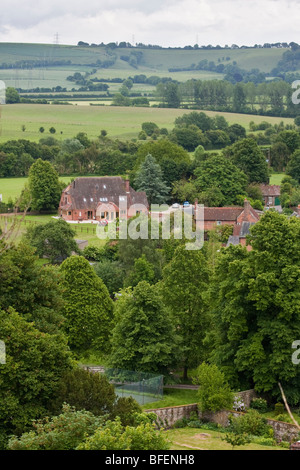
(48, 65)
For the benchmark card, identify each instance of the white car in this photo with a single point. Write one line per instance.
(175, 206)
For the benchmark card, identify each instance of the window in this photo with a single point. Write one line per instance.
(219, 222)
(69, 213)
(122, 198)
(84, 199)
(92, 199)
(104, 186)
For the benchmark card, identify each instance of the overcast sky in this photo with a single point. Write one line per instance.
(162, 22)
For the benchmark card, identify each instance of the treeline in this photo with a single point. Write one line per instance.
(125, 44)
(269, 99)
(105, 156)
(232, 72)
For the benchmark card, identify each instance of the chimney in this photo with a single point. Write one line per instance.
(127, 185)
(247, 207)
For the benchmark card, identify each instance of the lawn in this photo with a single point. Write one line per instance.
(174, 397)
(276, 178)
(12, 187)
(203, 439)
(83, 231)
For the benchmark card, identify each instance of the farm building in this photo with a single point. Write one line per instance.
(101, 198)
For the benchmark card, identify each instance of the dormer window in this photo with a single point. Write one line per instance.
(92, 199)
(104, 186)
(84, 199)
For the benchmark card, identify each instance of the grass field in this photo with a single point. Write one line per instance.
(276, 178)
(82, 231)
(12, 187)
(174, 397)
(119, 122)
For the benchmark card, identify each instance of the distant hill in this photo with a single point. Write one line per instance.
(13, 54)
(27, 66)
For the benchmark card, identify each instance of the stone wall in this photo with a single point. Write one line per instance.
(168, 416)
(282, 431)
(247, 396)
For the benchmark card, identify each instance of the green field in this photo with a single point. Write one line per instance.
(12, 187)
(119, 122)
(82, 231)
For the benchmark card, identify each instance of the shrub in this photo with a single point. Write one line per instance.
(251, 423)
(283, 417)
(214, 393)
(93, 253)
(127, 409)
(285, 444)
(279, 409)
(181, 423)
(264, 441)
(113, 436)
(259, 404)
(236, 439)
(63, 432)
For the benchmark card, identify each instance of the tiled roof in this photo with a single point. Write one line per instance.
(222, 213)
(270, 189)
(87, 192)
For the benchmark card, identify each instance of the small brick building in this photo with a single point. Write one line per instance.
(101, 198)
(271, 194)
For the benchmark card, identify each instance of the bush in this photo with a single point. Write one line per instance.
(85, 390)
(259, 404)
(264, 441)
(181, 423)
(214, 393)
(285, 444)
(93, 253)
(113, 436)
(283, 417)
(251, 423)
(236, 439)
(127, 409)
(63, 432)
(279, 409)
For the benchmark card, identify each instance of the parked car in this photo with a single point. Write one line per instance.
(175, 205)
(186, 204)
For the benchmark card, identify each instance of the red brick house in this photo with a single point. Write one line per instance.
(232, 215)
(244, 222)
(271, 194)
(101, 198)
(242, 218)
